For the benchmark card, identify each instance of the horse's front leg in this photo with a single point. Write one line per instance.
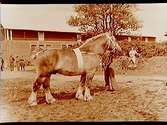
(87, 95)
(79, 93)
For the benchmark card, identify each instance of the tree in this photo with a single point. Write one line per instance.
(100, 18)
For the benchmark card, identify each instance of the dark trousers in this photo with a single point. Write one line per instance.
(109, 75)
(2, 66)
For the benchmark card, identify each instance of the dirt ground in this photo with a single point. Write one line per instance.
(141, 95)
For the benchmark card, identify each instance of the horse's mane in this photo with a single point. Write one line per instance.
(93, 39)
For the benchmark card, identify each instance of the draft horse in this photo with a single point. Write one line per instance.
(65, 62)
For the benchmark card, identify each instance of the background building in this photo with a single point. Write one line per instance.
(1, 39)
(136, 37)
(25, 42)
(127, 38)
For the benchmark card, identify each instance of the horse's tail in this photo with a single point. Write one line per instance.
(36, 55)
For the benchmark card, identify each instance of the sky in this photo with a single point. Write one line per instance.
(154, 18)
(54, 17)
(40, 17)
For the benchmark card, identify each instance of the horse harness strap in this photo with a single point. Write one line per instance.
(79, 57)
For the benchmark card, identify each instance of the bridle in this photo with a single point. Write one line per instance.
(108, 44)
(109, 40)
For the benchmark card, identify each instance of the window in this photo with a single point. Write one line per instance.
(64, 46)
(41, 47)
(48, 46)
(70, 46)
(33, 48)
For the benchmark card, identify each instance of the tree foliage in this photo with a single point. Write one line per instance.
(99, 18)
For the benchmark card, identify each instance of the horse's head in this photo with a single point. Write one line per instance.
(112, 44)
(100, 43)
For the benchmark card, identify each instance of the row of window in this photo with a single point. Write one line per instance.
(34, 47)
(41, 36)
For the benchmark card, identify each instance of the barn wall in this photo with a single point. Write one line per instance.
(24, 41)
(20, 48)
(48, 36)
(151, 39)
(25, 47)
(24, 35)
(121, 38)
(51, 36)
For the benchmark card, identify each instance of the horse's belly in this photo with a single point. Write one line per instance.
(68, 73)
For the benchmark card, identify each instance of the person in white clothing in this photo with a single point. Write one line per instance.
(132, 55)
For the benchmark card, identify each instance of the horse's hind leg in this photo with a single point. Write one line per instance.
(45, 81)
(46, 85)
(79, 93)
(36, 86)
(87, 95)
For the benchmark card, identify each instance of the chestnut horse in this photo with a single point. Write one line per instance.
(65, 62)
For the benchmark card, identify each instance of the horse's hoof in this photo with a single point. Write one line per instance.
(108, 88)
(51, 100)
(111, 90)
(32, 103)
(88, 98)
(79, 97)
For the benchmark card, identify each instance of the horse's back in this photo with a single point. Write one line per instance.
(64, 61)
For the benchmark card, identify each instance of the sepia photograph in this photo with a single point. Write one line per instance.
(83, 62)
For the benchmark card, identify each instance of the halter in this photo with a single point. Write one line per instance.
(109, 44)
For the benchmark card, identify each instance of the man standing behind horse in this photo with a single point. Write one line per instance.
(109, 74)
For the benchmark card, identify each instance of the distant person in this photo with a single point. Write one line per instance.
(2, 63)
(22, 64)
(132, 54)
(17, 63)
(109, 74)
(11, 63)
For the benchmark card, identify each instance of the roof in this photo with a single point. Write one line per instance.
(137, 36)
(58, 30)
(37, 18)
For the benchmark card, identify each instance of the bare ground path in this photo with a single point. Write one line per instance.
(137, 98)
